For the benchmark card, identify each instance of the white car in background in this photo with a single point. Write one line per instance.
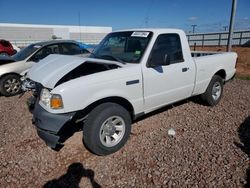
(11, 67)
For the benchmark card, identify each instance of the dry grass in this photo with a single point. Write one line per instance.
(243, 65)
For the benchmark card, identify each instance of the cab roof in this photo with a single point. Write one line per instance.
(45, 43)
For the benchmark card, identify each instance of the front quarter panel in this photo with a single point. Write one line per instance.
(15, 67)
(77, 94)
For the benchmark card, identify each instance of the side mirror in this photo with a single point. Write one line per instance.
(157, 59)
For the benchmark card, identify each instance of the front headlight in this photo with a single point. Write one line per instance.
(45, 97)
(53, 101)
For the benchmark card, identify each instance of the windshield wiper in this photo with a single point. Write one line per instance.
(114, 58)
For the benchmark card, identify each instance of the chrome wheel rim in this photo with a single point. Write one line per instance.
(112, 131)
(12, 86)
(216, 91)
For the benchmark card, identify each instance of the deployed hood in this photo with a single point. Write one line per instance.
(54, 67)
(6, 59)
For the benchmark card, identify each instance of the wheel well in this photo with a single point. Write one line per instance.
(221, 73)
(118, 100)
(4, 52)
(11, 73)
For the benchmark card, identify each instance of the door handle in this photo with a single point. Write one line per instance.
(185, 69)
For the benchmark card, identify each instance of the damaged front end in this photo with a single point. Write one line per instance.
(35, 88)
(53, 129)
(85, 69)
(56, 128)
(57, 69)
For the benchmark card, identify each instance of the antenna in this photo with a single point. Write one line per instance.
(147, 13)
(146, 21)
(79, 22)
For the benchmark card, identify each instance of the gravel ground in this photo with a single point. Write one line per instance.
(209, 149)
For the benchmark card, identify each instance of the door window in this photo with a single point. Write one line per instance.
(71, 49)
(167, 50)
(45, 51)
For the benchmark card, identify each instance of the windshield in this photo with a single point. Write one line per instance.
(26, 52)
(127, 46)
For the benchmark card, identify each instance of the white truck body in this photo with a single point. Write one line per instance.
(129, 74)
(157, 87)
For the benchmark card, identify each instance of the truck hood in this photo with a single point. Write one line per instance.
(52, 68)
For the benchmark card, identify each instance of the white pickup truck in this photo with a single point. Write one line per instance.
(129, 74)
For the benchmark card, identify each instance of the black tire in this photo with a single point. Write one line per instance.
(210, 97)
(4, 54)
(93, 129)
(10, 85)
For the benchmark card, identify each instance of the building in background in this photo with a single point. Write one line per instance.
(24, 34)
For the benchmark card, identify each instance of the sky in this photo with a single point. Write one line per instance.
(208, 15)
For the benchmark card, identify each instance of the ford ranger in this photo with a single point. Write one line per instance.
(129, 74)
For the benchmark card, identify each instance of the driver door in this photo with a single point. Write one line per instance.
(171, 78)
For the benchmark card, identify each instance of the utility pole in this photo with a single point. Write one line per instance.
(225, 28)
(193, 26)
(231, 27)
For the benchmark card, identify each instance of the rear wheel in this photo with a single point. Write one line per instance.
(106, 129)
(4, 54)
(10, 85)
(214, 91)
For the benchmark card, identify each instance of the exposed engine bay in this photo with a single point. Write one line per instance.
(86, 68)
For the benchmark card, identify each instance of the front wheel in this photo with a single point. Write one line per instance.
(106, 129)
(214, 91)
(10, 85)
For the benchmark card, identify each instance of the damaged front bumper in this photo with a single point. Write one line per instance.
(54, 129)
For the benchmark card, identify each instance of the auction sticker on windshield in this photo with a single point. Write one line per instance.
(140, 34)
(37, 46)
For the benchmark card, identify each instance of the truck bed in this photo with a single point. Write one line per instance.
(205, 67)
(203, 53)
